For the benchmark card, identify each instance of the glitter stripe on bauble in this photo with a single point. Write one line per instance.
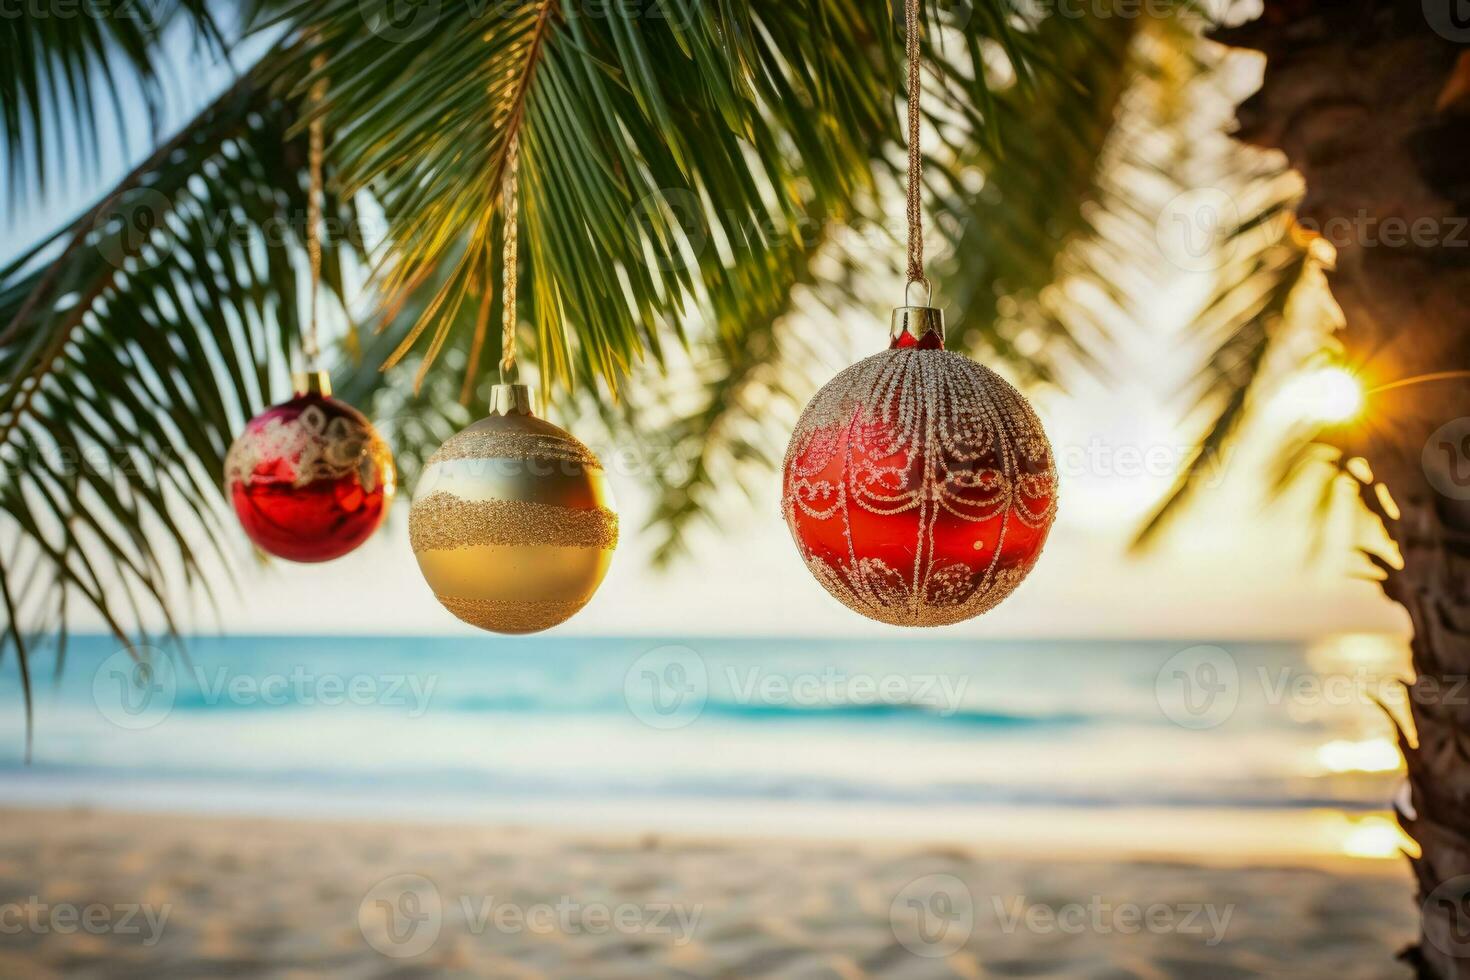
(310, 479)
(919, 486)
(512, 522)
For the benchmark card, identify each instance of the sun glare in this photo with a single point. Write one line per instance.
(1374, 837)
(1326, 395)
(1372, 755)
(1371, 653)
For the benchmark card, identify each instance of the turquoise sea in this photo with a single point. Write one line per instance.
(705, 730)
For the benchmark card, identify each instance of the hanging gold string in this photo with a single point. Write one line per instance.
(310, 344)
(916, 159)
(508, 259)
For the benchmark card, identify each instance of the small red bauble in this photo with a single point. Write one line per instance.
(919, 485)
(310, 479)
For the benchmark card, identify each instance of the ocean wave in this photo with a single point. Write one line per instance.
(198, 700)
(464, 786)
(977, 716)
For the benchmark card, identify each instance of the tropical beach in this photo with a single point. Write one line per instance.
(822, 491)
(423, 803)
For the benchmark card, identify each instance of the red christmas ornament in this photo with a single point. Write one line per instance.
(310, 479)
(919, 485)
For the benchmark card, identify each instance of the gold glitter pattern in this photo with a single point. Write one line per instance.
(511, 616)
(500, 444)
(442, 520)
(931, 434)
(513, 548)
(319, 445)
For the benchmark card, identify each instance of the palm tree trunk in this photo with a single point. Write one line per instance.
(1370, 100)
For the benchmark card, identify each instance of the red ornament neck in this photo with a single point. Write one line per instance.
(917, 328)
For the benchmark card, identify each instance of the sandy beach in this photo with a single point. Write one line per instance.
(89, 893)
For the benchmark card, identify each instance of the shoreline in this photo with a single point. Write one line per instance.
(1331, 840)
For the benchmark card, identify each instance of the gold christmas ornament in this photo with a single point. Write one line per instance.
(512, 522)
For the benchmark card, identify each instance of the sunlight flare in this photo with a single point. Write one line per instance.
(1369, 755)
(1329, 395)
(1375, 837)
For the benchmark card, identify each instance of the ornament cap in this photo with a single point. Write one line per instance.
(312, 383)
(917, 326)
(510, 400)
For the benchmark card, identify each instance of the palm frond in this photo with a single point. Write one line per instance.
(754, 367)
(59, 64)
(132, 358)
(1248, 313)
(1019, 217)
(664, 159)
(745, 369)
(1004, 246)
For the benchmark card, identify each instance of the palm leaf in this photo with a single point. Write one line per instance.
(132, 358)
(1012, 244)
(1032, 210)
(665, 160)
(1248, 314)
(56, 65)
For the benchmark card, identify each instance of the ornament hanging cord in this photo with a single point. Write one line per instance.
(916, 158)
(311, 344)
(508, 260)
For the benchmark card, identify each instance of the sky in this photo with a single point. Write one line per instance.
(1234, 566)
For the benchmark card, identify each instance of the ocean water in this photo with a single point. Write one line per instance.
(657, 729)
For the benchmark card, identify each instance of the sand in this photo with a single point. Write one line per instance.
(100, 894)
